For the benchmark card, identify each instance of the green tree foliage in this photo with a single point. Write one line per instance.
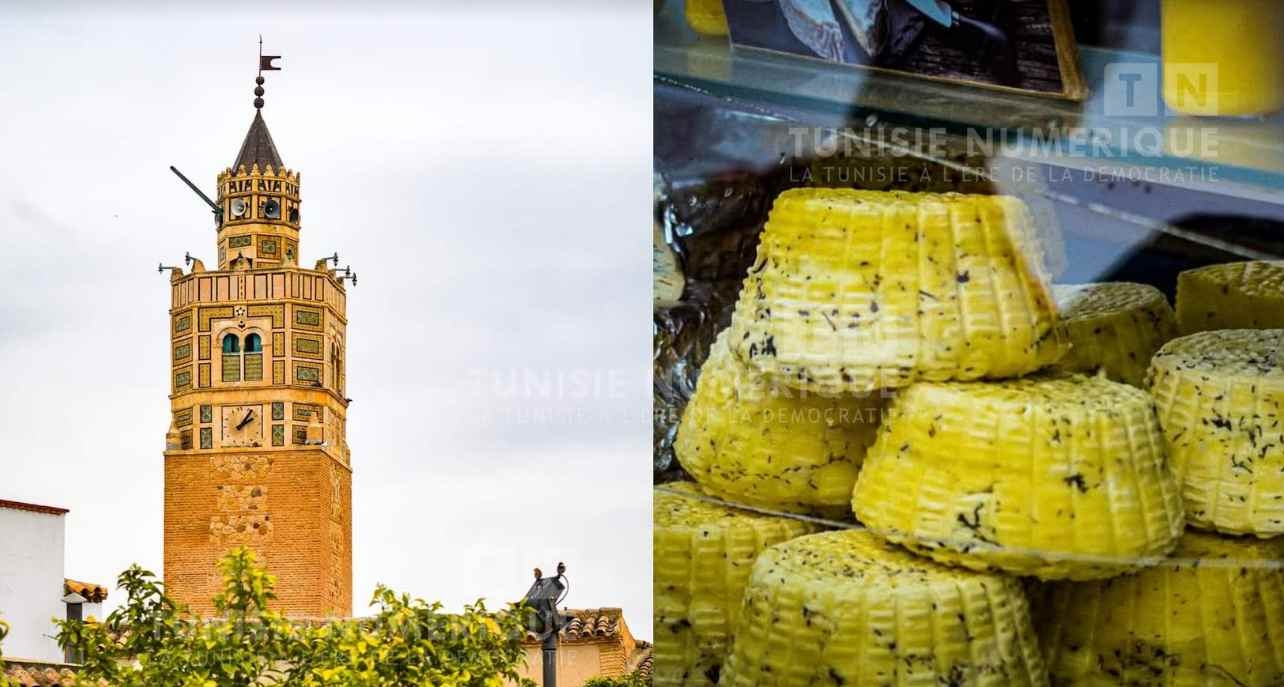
(631, 680)
(4, 631)
(151, 640)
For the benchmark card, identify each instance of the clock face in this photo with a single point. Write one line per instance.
(242, 425)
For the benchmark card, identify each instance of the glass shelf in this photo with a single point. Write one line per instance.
(1228, 157)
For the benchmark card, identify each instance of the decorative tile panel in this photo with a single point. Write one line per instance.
(239, 241)
(269, 247)
(183, 352)
(207, 437)
(275, 310)
(278, 372)
(278, 435)
(308, 412)
(207, 413)
(308, 318)
(182, 323)
(253, 367)
(205, 315)
(306, 346)
(203, 376)
(182, 379)
(185, 439)
(307, 373)
(183, 418)
(278, 344)
(278, 410)
(300, 434)
(203, 347)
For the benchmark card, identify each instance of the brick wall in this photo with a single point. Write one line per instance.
(292, 508)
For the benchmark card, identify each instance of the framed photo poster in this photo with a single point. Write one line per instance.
(1022, 46)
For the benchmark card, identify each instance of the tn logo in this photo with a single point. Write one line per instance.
(1132, 89)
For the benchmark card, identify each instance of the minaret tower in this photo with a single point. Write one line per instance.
(256, 452)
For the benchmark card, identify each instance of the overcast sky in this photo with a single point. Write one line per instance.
(487, 173)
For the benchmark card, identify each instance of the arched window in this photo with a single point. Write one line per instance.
(231, 358)
(253, 358)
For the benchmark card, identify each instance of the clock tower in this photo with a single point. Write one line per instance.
(256, 453)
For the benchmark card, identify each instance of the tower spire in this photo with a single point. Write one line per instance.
(258, 147)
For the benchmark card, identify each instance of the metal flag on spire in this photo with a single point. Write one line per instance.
(265, 64)
(265, 61)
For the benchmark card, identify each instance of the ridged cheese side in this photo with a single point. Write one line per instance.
(859, 290)
(1049, 476)
(1212, 623)
(1219, 396)
(703, 554)
(1114, 326)
(762, 444)
(1233, 295)
(846, 608)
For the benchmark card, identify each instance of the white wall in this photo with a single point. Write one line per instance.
(31, 578)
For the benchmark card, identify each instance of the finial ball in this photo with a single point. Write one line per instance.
(258, 80)
(258, 90)
(258, 103)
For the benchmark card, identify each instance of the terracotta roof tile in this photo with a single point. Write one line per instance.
(640, 660)
(37, 674)
(93, 593)
(589, 625)
(32, 507)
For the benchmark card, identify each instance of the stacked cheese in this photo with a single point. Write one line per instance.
(994, 456)
(846, 608)
(1115, 327)
(1211, 615)
(703, 555)
(1055, 477)
(1235, 295)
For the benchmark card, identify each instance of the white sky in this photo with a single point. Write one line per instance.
(485, 170)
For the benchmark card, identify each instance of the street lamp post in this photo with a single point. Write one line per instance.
(546, 622)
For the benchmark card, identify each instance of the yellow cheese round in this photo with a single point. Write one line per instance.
(1114, 326)
(707, 17)
(762, 444)
(1219, 396)
(860, 290)
(847, 608)
(1218, 622)
(703, 554)
(1048, 476)
(1234, 295)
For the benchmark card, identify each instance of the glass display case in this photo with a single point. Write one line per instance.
(916, 338)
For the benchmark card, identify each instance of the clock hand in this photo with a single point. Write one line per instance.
(249, 415)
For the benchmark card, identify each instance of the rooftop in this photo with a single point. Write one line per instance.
(38, 674)
(33, 507)
(258, 148)
(590, 625)
(92, 593)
